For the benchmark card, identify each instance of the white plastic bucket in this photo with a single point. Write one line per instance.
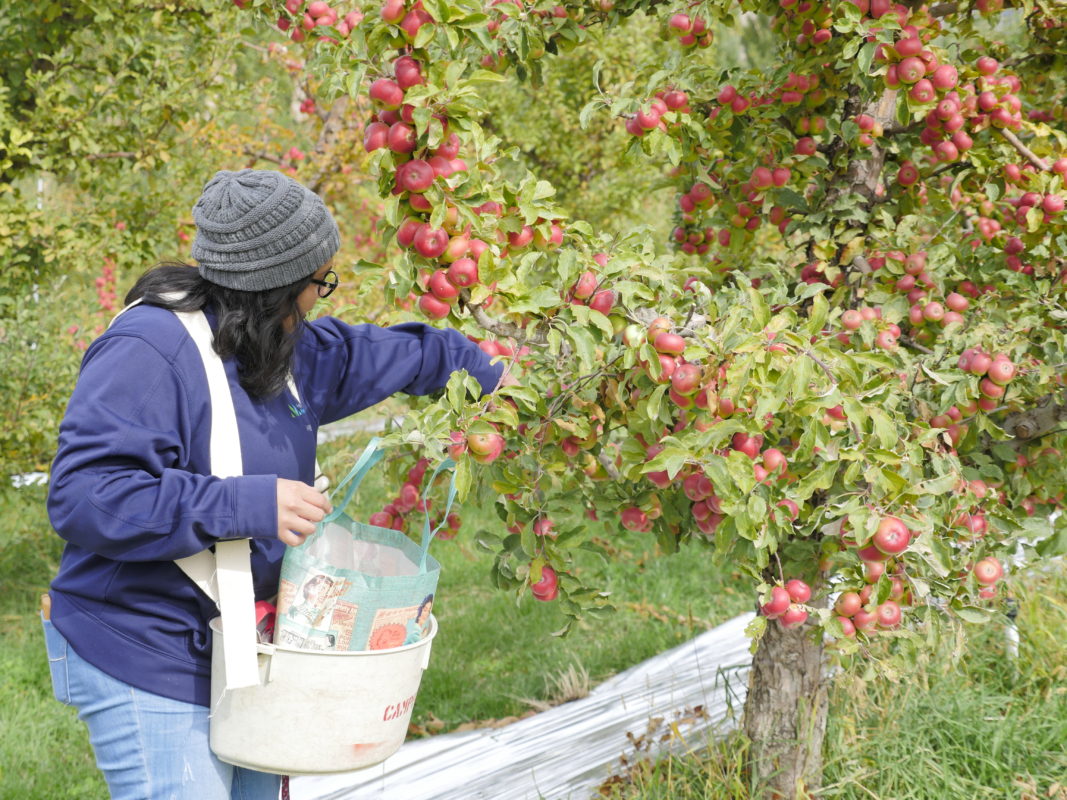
(316, 712)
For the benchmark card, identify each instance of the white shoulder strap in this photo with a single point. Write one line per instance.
(226, 576)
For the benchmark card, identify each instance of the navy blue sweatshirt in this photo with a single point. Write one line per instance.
(131, 486)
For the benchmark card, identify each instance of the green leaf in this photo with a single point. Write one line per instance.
(884, 429)
(487, 542)
(456, 393)
(584, 346)
(438, 9)
(485, 76)
(820, 310)
(672, 459)
(424, 36)
(973, 614)
(940, 485)
(655, 401)
(463, 478)
(822, 477)
(755, 629)
(761, 313)
(587, 112)
(866, 57)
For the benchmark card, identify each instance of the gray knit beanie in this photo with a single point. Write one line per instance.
(259, 229)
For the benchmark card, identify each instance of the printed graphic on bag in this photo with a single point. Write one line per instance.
(314, 614)
(394, 627)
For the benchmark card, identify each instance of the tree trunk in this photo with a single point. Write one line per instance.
(785, 714)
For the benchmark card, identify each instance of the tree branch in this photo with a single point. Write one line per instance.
(260, 156)
(862, 264)
(505, 330)
(331, 128)
(604, 458)
(909, 342)
(102, 156)
(944, 9)
(1035, 422)
(1024, 151)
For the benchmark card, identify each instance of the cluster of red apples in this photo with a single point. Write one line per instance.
(317, 15)
(787, 603)
(690, 31)
(855, 609)
(394, 514)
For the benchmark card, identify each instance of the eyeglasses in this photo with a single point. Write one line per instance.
(328, 283)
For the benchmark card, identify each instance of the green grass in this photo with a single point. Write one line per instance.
(44, 750)
(984, 728)
(988, 727)
(494, 649)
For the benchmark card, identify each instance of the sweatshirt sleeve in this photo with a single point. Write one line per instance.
(121, 485)
(346, 368)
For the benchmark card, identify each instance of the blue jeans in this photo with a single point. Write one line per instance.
(148, 747)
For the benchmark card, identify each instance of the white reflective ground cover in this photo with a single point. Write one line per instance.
(564, 753)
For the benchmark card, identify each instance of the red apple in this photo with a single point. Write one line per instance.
(415, 176)
(387, 93)
(408, 72)
(634, 519)
(774, 460)
(432, 307)
(988, 571)
(547, 588)
(520, 238)
(778, 603)
(1001, 371)
(799, 591)
(393, 11)
(888, 614)
(485, 447)
(543, 526)
(794, 617)
(864, 620)
(790, 506)
(405, 234)
(585, 285)
(686, 379)
(402, 138)
(848, 603)
(442, 288)
(744, 443)
(375, 137)
(603, 301)
(463, 273)
(430, 242)
(892, 536)
(669, 344)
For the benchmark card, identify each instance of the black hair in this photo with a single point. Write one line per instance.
(255, 328)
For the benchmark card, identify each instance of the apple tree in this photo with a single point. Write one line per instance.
(843, 369)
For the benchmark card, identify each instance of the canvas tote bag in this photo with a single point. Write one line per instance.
(355, 586)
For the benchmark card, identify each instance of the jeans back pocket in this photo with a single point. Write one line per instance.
(57, 648)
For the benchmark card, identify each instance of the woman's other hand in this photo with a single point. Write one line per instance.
(300, 509)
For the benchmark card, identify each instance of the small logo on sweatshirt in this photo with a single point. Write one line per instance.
(297, 410)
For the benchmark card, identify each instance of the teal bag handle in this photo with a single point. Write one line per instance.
(427, 534)
(372, 454)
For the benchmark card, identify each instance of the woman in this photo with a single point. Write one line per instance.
(131, 487)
